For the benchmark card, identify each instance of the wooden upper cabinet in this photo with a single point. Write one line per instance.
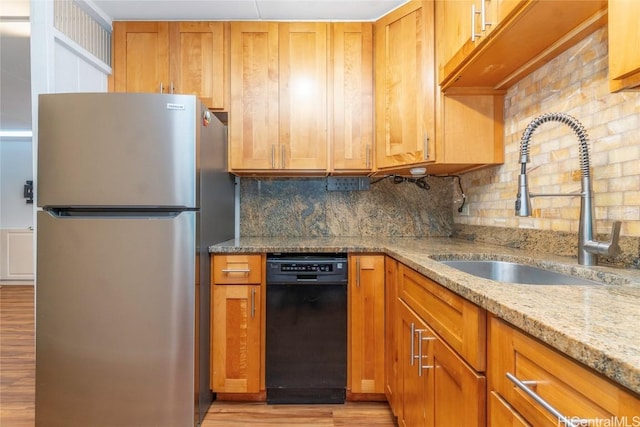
(172, 57)
(521, 37)
(352, 142)
(140, 57)
(624, 39)
(278, 114)
(405, 85)
(470, 131)
(254, 111)
(454, 22)
(199, 61)
(303, 95)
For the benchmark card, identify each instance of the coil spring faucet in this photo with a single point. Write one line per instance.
(588, 248)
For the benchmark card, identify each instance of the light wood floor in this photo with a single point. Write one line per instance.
(17, 384)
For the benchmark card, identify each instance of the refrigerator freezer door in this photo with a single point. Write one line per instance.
(115, 322)
(117, 149)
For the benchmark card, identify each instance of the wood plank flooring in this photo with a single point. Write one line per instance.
(17, 356)
(17, 384)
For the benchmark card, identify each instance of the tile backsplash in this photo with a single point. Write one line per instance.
(302, 207)
(576, 83)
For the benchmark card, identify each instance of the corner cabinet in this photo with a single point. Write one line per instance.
(237, 322)
(278, 113)
(172, 57)
(416, 124)
(624, 39)
(405, 86)
(521, 367)
(366, 338)
(494, 43)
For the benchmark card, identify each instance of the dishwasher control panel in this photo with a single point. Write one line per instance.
(304, 268)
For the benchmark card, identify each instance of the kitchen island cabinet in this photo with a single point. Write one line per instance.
(366, 320)
(172, 57)
(237, 323)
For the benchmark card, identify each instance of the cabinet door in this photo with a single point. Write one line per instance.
(253, 111)
(392, 390)
(470, 131)
(455, 386)
(404, 85)
(303, 95)
(352, 47)
(624, 39)
(141, 57)
(414, 405)
(574, 390)
(198, 61)
(236, 339)
(366, 323)
(454, 22)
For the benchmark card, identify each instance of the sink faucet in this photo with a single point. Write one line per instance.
(588, 248)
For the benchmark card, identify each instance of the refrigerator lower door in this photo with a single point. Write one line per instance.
(115, 321)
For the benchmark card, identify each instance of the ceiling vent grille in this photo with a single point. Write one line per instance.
(83, 28)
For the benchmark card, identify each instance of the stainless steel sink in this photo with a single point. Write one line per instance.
(511, 272)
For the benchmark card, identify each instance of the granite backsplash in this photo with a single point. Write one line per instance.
(303, 207)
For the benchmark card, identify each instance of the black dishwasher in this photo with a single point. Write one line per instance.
(306, 338)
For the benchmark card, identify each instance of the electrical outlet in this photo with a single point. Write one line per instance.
(465, 210)
(347, 183)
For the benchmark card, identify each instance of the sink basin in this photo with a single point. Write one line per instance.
(511, 272)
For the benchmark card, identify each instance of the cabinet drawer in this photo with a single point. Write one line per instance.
(236, 269)
(574, 390)
(458, 321)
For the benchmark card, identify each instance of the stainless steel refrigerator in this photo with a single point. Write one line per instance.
(131, 190)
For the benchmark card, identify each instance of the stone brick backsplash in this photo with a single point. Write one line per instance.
(576, 83)
(302, 207)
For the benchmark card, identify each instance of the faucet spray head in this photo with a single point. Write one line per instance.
(523, 199)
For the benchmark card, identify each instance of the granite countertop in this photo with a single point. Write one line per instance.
(596, 324)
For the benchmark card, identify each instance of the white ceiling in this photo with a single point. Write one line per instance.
(228, 10)
(15, 82)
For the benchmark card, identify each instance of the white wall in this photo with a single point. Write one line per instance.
(15, 169)
(57, 65)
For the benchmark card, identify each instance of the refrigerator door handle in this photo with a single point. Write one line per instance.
(133, 213)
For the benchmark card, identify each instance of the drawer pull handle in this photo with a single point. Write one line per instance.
(420, 356)
(357, 272)
(567, 421)
(253, 303)
(239, 270)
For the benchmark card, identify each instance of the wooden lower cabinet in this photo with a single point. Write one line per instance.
(575, 391)
(366, 324)
(438, 387)
(237, 324)
(391, 387)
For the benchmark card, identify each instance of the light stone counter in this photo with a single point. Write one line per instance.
(598, 325)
